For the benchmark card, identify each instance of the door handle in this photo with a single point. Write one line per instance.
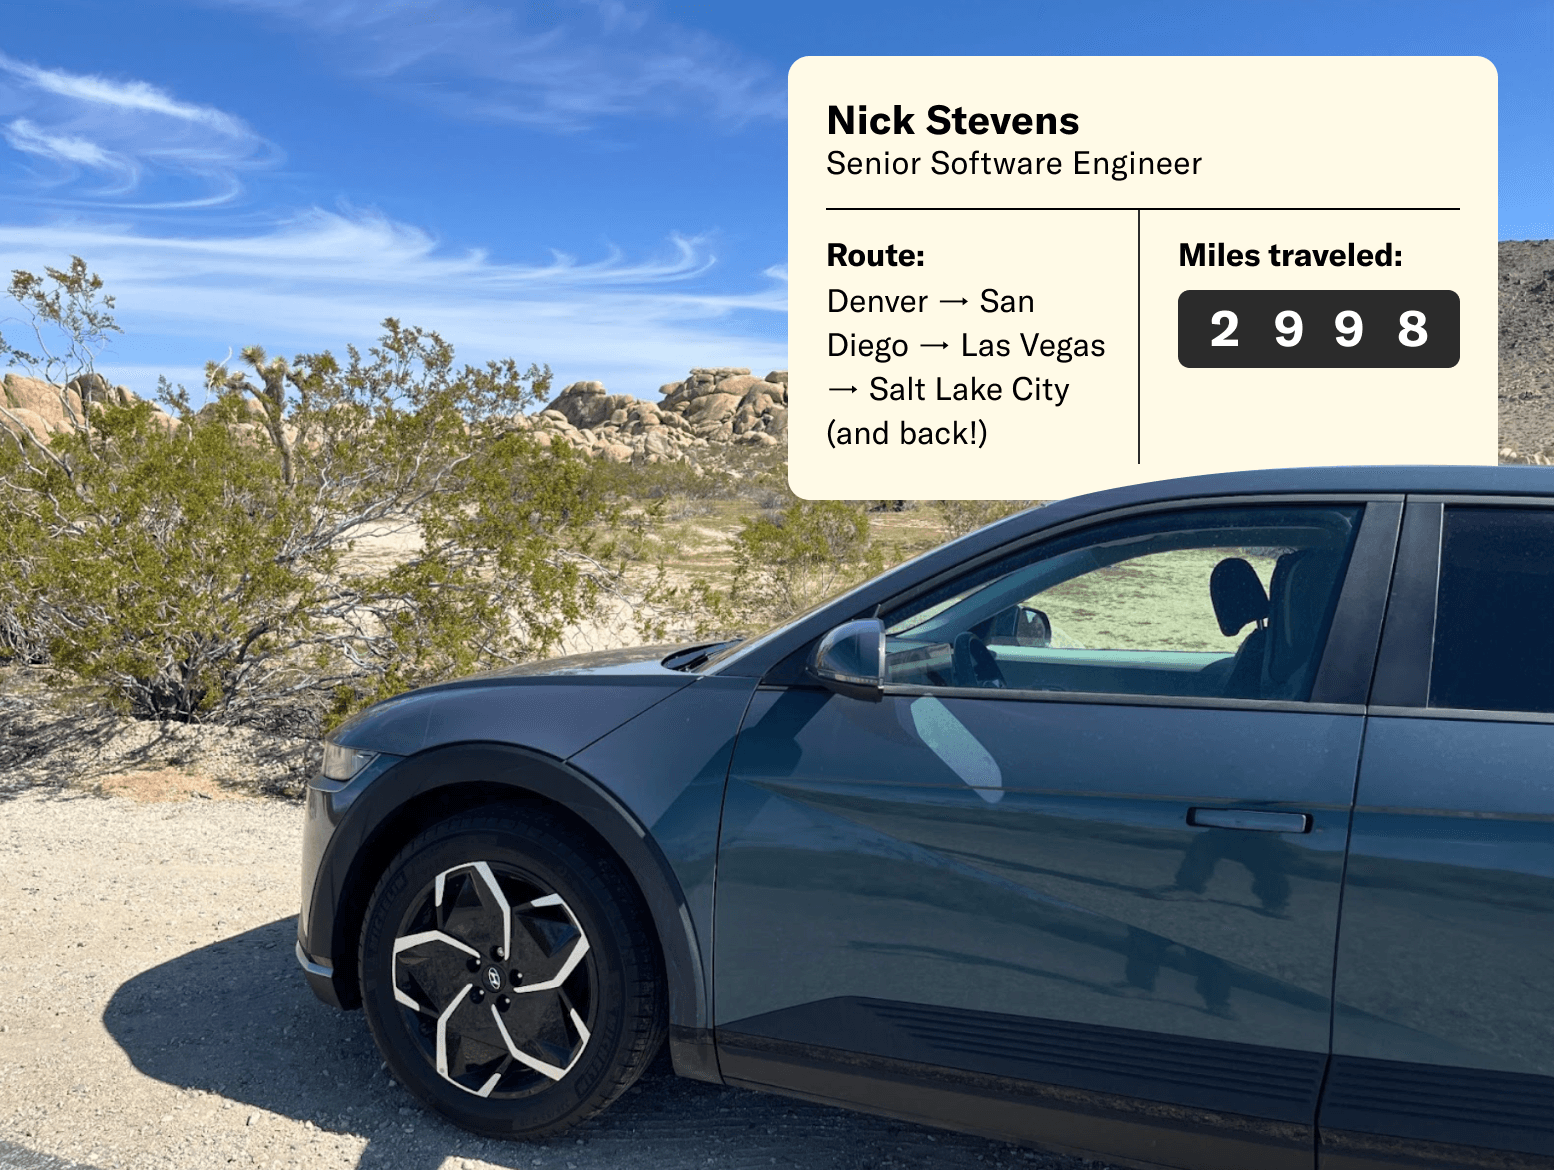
(1250, 819)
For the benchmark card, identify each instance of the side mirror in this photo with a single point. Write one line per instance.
(1019, 625)
(1032, 627)
(851, 659)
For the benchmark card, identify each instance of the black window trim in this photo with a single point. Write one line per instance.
(1342, 679)
(1124, 699)
(1402, 685)
(1408, 633)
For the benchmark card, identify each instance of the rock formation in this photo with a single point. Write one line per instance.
(726, 404)
(1527, 351)
(712, 406)
(46, 410)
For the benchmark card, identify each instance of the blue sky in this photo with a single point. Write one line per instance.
(595, 184)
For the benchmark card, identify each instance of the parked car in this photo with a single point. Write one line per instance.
(1207, 823)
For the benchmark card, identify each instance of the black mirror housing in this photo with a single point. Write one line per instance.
(851, 659)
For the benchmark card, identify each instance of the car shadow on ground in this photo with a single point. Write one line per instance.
(236, 1019)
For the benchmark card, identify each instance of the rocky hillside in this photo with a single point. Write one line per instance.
(723, 405)
(43, 410)
(1526, 350)
(712, 406)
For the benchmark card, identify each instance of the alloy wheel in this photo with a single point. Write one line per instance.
(495, 977)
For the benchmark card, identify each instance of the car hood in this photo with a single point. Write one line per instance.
(557, 706)
(629, 660)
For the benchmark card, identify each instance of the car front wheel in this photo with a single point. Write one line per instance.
(508, 974)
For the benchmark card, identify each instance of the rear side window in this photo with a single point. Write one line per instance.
(1494, 617)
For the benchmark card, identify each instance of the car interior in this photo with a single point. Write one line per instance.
(998, 633)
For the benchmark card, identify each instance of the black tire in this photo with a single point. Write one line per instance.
(583, 1026)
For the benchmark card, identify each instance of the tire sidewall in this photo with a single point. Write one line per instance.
(551, 863)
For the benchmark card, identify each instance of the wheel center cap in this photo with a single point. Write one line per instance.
(493, 979)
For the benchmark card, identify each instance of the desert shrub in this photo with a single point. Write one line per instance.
(962, 516)
(203, 568)
(667, 479)
(787, 562)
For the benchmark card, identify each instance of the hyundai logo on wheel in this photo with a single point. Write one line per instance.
(494, 978)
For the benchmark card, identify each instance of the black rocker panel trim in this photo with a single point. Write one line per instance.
(1271, 1083)
(1125, 1130)
(1388, 1113)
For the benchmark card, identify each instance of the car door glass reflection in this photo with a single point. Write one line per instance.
(1147, 953)
(1266, 856)
(960, 751)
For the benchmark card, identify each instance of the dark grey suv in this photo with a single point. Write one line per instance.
(1206, 823)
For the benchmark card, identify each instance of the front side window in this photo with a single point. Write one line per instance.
(1494, 614)
(1228, 603)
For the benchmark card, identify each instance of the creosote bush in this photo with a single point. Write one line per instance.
(199, 567)
(962, 516)
(215, 562)
(785, 562)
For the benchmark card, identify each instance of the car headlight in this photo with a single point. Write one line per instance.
(342, 763)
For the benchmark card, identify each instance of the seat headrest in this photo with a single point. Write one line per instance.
(1237, 595)
(1299, 590)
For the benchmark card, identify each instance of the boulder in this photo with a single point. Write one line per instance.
(711, 408)
(739, 384)
(19, 418)
(702, 381)
(645, 414)
(762, 396)
(36, 395)
(93, 387)
(715, 432)
(657, 443)
(587, 404)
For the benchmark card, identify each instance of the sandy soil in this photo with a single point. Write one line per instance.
(152, 1015)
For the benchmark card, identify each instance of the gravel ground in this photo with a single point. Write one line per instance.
(152, 1015)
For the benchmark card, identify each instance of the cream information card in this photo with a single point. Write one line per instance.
(1028, 277)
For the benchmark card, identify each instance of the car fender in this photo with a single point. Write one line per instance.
(454, 777)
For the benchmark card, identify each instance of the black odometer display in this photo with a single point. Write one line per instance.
(1259, 329)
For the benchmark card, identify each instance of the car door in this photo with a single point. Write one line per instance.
(1444, 1031)
(1079, 885)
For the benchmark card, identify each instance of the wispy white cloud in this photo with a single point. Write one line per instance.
(563, 65)
(136, 96)
(70, 150)
(168, 152)
(326, 278)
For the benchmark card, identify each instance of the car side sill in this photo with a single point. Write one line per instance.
(1126, 1131)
